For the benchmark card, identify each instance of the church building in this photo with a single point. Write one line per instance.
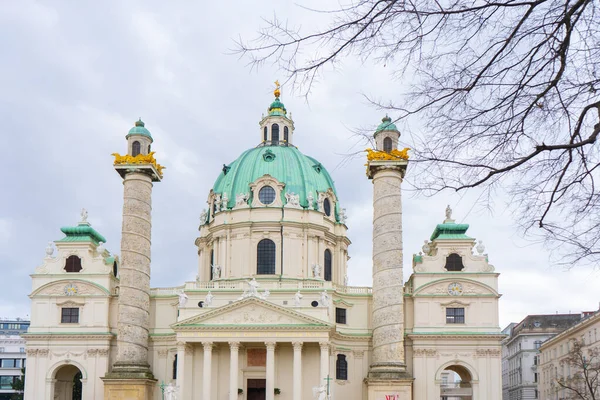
(271, 315)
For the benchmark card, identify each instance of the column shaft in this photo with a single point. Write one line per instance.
(270, 389)
(388, 311)
(181, 370)
(134, 287)
(297, 389)
(233, 370)
(324, 362)
(206, 381)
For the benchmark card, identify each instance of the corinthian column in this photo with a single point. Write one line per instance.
(233, 370)
(297, 382)
(270, 386)
(206, 379)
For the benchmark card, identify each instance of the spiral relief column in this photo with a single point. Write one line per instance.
(386, 167)
(131, 374)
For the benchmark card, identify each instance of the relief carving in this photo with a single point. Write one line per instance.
(426, 353)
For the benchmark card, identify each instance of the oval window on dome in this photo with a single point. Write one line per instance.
(266, 195)
(327, 207)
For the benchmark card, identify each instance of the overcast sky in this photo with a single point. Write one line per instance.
(75, 76)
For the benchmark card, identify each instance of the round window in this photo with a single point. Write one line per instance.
(266, 195)
(327, 207)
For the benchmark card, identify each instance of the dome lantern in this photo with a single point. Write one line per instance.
(276, 129)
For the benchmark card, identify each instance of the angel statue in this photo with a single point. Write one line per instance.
(170, 392)
(316, 270)
(325, 298)
(253, 287)
(298, 299)
(208, 299)
(321, 392)
(183, 298)
(84, 215)
(448, 213)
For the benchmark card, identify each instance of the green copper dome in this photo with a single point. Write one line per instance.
(300, 174)
(386, 125)
(139, 129)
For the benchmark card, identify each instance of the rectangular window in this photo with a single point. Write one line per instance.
(21, 349)
(535, 377)
(340, 315)
(455, 315)
(69, 316)
(9, 363)
(6, 382)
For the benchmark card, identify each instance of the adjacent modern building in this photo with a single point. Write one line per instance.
(553, 354)
(520, 352)
(271, 314)
(12, 354)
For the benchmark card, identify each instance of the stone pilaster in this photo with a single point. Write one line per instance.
(388, 367)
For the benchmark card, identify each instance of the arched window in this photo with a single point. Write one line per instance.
(387, 144)
(265, 134)
(341, 368)
(327, 272)
(115, 269)
(135, 148)
(212, 262)
(275, 134)
(175, 367)
(149, 147)
(285, 133)
(73, 264)
(454, 263)
(327, 207)
(265, 257)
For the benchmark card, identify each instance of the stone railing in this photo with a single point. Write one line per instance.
(170, 291)
(353, 289)
(241, 285)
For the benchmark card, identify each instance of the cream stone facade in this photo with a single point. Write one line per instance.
(553, 352)
(270, 315)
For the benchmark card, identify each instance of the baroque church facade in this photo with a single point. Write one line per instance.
(271, 314)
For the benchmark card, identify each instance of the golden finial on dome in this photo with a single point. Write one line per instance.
(277, 92)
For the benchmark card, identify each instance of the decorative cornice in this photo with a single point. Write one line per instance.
(458, 335)
(70, 336)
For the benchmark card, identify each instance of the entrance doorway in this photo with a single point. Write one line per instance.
(257, 389)
(68, 383)
(456, 384)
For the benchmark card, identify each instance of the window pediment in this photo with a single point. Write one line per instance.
(263, 182)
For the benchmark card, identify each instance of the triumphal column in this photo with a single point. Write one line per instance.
(386, 168)
(130, 376)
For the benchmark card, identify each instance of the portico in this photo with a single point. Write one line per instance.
(266, 341)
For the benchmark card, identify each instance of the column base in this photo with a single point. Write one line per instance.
(128, 388)
(379, 388)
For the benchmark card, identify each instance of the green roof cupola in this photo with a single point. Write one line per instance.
(83, 232)
(139, 129)
(449, 229)
(386, 125)
(276, 128)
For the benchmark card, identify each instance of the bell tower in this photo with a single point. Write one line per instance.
(386, 167)
(131, 374)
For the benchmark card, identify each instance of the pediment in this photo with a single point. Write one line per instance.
(251, 312)
(71, 287)
(469, 288)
